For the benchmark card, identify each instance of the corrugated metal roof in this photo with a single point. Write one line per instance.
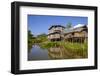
(73, 29)
(78, 25)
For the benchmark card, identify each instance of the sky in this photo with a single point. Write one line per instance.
(39, 24)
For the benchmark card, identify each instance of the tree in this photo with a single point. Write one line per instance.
(42, 35)
(30, 39)
(30, 35)
(69, 25)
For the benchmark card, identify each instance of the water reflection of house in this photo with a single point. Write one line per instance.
(56, 33)
(77, 33)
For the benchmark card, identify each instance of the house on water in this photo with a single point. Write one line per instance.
(56, 33)
(78, 33)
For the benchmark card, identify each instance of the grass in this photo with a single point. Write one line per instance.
(49, 44)
(78, 49)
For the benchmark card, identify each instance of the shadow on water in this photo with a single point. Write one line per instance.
(37, 53)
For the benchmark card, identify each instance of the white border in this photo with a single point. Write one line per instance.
(26, 65)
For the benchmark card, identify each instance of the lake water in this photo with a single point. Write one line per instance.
(37, 53)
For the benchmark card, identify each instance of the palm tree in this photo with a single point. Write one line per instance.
(69, 25)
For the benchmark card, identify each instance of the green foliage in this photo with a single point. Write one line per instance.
(34, 40)
(42, 35)
(30, 39)
(76, 49)
(69, 25)
(49, 44)
(42, 38)
(30, 35)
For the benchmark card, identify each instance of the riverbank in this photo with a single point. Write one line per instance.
(78, 49)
